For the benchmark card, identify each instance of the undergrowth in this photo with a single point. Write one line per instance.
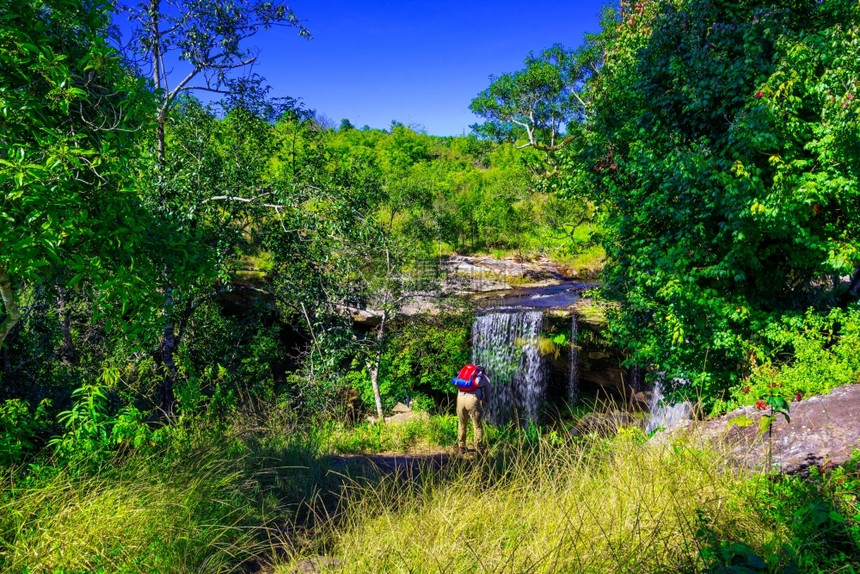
(266, 494)
(619, 504)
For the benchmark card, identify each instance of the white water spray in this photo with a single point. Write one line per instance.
(663, 415)
(506, 343)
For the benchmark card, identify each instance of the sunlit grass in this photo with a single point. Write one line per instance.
(189, 515)
(419, 435)
(541, 501)
(613, 506)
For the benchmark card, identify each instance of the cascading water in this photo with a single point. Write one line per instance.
(506, 343)
(663, 415)
(573, 377)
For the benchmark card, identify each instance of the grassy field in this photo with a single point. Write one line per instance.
(272, 499)
(617, 506)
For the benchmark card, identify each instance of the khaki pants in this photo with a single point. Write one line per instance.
(470, 407)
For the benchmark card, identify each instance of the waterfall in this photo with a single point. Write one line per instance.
(663, 415)
(506, 343)
(573, 377)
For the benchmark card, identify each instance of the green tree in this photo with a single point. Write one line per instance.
(723, 136)
(185, 47)
(545, 107)
(207, 40)
(70, 116)
(542, 103)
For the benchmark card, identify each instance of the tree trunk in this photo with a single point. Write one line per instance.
(7, 372)
(159, 136)
(13, 314)
(374, 370)
(168, 363)
(157, 79)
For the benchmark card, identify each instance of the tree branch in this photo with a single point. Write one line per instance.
(252, 200)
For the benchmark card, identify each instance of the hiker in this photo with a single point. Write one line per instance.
(470, 405)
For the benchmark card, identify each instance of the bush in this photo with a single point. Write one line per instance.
(18, 428)
(420, 357)
(816, 518)
(802, 356)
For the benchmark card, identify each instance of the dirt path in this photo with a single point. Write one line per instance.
(389, 463)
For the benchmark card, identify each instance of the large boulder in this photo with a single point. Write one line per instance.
(823, 430)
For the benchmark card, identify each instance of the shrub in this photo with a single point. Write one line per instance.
(18, 428)
(802, 356)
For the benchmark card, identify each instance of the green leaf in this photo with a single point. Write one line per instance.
(836, 517)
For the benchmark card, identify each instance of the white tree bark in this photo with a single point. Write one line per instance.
(374, 369)
(13, 314)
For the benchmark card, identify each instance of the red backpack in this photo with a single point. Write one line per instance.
(467, 378)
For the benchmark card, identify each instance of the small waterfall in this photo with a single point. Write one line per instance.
(666, 416)
(573, 377)
(506, 343)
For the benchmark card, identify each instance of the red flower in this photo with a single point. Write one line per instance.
(761, 405)
(745, 390)
(798, 397)
(758, 94)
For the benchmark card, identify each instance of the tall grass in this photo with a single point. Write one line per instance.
(189, 515)
(258, 497)
(613, 506)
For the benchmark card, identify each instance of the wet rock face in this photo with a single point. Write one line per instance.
(823, 430)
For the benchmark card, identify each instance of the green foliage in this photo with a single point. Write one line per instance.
(18, 428)
(372, 438)
(724, 557)
(87, 424)
(804, 355)
(460, 193)
(130, 430)
(732, 201)
(71, 115)
(818, 518)
(540, 103)
(420, 357)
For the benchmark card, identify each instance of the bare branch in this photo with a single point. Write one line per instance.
(245, 200)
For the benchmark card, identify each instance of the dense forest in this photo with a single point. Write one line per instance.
(182, 372)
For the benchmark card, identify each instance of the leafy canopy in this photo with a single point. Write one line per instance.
(723, 138)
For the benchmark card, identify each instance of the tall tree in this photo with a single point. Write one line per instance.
(724, 136)
(542, 103)
(545, 106)
(206, 39)
(187, 46)
(70, 115)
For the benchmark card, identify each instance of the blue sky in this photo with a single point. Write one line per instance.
(416, 61)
